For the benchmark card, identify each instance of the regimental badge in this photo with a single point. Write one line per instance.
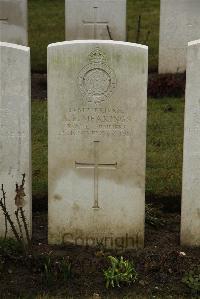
(97, 80)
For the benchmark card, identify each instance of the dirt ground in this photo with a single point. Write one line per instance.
(160, 265)
(39, 86)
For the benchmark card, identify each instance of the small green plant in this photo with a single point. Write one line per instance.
(2, 265)
(48, 269)
(54, 270)
(192, 280)
(10, 247)
(152, 217)
(65, 269)
(120, 271)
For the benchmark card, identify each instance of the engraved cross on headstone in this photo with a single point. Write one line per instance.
(96, 166)
(96, 23)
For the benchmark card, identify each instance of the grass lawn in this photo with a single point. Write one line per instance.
(39, 149)
(149, 10)
(164, 148)
(47, 25)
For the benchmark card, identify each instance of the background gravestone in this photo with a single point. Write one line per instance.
(13, 22)
(190, 218)
(99, 19)
(97, 98)
(15, 126)
(179, 24)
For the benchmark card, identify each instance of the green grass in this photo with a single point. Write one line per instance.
(39, 149)
(47, 25)
(164, 148)
(150, 17)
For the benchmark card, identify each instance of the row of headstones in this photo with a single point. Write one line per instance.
(106, 19)
(97, 106)
(85, 19)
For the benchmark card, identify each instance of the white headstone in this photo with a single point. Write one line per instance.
(179, 24)
(190, 218)
(97, 96)
(13, 22)
(15, 126)
(99, 19)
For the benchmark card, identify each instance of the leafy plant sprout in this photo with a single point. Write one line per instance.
(120, 271)
(192, 280)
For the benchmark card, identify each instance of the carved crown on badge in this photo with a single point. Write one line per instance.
(97, 56)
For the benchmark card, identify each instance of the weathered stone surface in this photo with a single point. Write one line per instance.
(190, 218)
(100, 19)
(13, 22)
(15, 123)
(179, 24)
(97, 97)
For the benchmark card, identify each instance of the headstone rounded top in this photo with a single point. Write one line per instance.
(194, 42)
(14, 46)
(92, 41)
